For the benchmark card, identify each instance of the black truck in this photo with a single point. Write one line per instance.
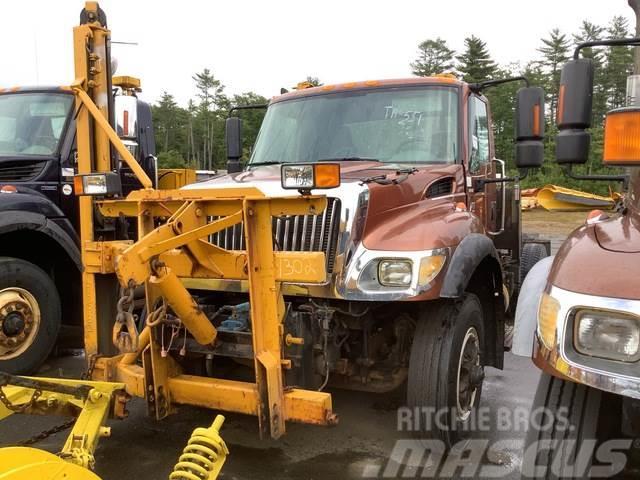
(40, 263)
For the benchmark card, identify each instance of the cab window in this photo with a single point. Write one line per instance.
(479, 134)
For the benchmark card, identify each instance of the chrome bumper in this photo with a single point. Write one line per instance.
(555, 360)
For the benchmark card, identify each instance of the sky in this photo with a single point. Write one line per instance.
(261, 46)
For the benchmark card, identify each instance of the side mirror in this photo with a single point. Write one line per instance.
(529, 132)
(233, 140)
(574, 112)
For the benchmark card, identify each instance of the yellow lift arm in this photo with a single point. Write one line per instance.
(93, 403)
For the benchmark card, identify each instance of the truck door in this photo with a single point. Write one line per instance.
(482, 202)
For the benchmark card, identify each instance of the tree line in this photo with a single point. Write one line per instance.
(194, 135)
(475, 64)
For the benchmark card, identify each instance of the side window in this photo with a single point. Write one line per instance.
(479, 133)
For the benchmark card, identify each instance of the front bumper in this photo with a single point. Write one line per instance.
(563, 361)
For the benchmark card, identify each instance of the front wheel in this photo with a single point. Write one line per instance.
(574, 432)
(446, 369)
(29, 316)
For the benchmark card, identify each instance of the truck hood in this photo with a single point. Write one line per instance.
(619, 235)
(353, 176)
(584, 265)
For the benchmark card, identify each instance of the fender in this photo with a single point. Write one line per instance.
(527, 309)
(14, 220)
(473, 249)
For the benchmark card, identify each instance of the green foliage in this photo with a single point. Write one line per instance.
(194, 136)
(171, 159)
(475, 62)
(555, 53)
(315, 81)
(612, 67)
(434, 56)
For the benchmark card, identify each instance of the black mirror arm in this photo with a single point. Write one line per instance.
(606, 43)
(602, 178)
(478, 185)
(259, 106)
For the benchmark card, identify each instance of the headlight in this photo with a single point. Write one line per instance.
(306, 177)
(607, 334)
(548, 319)
(102, 184)
(395, 273)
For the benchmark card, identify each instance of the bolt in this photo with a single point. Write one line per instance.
(95, 395)
(198, 212)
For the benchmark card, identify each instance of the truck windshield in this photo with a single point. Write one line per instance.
(32, 123)
(392, 125)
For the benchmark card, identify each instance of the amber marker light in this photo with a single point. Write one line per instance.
(622, 137)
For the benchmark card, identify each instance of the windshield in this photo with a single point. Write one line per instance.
(394, 125)
(32, 123)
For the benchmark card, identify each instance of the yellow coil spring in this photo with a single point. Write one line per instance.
(204, 455)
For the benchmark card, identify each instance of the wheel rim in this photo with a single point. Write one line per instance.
(470, 374)
(20, 320)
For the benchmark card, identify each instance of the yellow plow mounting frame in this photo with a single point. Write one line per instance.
(179, 249)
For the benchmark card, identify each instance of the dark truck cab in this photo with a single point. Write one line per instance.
(40, 261)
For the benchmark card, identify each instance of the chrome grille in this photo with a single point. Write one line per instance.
(20, 171)
(295, 233)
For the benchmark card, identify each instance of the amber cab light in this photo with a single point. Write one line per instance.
(622, 137)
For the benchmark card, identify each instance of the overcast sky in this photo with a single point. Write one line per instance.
(264, 45)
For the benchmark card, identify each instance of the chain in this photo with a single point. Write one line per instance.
(18, 408)
(36, 394)
(47, 433)
(125, 333)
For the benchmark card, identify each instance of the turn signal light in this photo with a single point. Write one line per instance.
(548, 311)
(622, 137)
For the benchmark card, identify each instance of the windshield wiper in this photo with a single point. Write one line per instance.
(350, 159)
(260, 164)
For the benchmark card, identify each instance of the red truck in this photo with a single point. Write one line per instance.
(580, 310)
(424, 252)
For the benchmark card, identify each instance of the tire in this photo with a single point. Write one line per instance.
(30, 314)
(531, 254)
(565, 417)
(435, 369)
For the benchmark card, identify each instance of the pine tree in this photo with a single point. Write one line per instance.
(590, 32)
(212, 100)
(434, 56)
(555, 53)
(619, 64)
(475, 62)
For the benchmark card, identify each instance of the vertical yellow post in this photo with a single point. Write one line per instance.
(267, 310)
(92, 71)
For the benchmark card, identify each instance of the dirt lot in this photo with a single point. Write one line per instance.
(359, 446)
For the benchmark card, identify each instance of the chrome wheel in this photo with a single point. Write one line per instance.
(470, 374)
(20, 320)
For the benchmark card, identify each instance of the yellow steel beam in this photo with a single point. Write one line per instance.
(112, 136)
(267, 311)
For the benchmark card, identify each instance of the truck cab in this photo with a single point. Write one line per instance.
(422, 238)
(40, 261)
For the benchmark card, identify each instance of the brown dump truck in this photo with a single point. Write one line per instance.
(581, 309)
(422, 238)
